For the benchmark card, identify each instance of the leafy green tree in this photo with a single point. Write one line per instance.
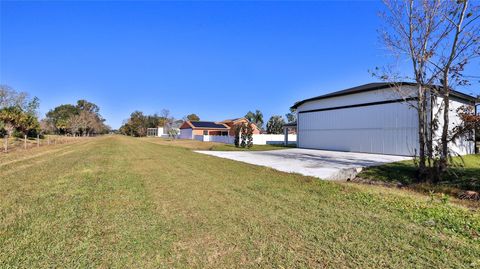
(11, 118)
(193, 117)
(81, 119)
(87, 106)
(137, 124)
(18, 113)
(275, 125)
(291, 116)
(255, 117)
(60, 117)
(14, 118)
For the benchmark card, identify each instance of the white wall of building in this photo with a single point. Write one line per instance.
(271, 139)
(462, 145)
(385, 129)
(258, 139)
(359, 98)
(390, 128)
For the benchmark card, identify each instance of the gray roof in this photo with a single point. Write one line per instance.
(377, 86)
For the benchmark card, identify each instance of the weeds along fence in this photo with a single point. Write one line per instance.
(10, 144)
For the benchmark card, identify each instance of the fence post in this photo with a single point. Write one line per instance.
(38, 140)
(6, 143)
(48, 140)
(25, 141)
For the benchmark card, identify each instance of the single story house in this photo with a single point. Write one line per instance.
(190, 129)
(232, 122)
(372, 118)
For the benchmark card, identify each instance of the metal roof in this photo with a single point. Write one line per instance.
(376, 86)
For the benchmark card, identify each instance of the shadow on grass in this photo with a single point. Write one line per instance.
(462, 176)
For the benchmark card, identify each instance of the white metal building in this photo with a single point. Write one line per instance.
(372, 118)
(155, 131)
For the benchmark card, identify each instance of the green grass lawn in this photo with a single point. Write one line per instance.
(464, 175)
(199, 145)
(122, 202)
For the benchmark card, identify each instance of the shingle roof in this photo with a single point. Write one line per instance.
(372, 87)
(207, 124)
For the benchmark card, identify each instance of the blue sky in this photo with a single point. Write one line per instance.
(215, 59)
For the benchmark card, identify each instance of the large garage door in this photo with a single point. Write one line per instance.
(384, 128)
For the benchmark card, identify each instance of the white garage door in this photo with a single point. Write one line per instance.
(186, 134)
(385, 128)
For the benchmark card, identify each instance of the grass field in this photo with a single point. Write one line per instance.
(199, 145)
(464, 174)
(123, 202)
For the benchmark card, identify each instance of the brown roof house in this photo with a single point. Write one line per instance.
(190, 129)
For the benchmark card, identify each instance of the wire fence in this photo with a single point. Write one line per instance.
(11, 144)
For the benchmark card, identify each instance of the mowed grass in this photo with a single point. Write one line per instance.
(463, 175)
(124, 202)
(199, 145)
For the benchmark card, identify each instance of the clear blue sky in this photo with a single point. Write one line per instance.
(215, 59)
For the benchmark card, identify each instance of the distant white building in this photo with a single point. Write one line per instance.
(159, 131)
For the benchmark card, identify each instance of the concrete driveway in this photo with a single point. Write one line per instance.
(331, 165)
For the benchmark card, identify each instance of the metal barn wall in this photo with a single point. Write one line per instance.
(359, 98)
(386, 128)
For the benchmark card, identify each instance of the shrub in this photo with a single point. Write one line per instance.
(243, 142)
(249, 135)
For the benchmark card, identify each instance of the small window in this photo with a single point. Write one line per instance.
(205, 132)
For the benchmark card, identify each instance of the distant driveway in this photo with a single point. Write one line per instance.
(332, 165)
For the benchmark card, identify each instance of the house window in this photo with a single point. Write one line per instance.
(205, 132)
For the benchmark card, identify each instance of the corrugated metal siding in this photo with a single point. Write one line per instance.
(359, 98)
(386, 129)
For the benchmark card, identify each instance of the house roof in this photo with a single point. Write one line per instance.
(231, 120)
(377, 86)
(206, 125)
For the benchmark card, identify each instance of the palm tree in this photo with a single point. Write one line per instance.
(256, 118)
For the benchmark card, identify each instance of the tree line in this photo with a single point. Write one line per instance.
(274, 124)
(19, 117)
(138, 123)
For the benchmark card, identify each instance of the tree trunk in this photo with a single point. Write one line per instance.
(443, 163)
(422, 169)
(9, 128)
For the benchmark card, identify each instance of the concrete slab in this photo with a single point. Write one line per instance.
(330, 165)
